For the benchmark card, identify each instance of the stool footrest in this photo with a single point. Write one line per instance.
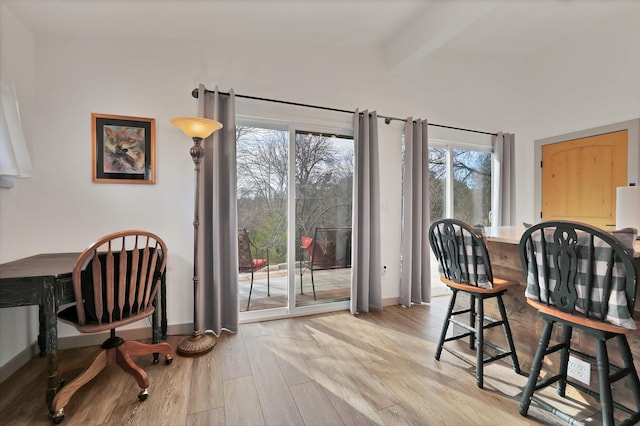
(502, 353)
(558, 413)
(548, 381)
(554, 348)
(459, 355)
(463, 325)
(620, 374)
(457, 337)
(492, 322)
(497, 357)
(497, 348)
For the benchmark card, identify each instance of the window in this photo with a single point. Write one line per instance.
(460, 183)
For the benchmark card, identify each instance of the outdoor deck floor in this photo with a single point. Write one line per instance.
(330, 285)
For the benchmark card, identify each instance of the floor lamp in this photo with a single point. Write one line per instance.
(197, 129)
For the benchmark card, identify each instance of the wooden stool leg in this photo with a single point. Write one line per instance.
(567, 331)
(508, 335)
(606, 399)
(536, 366)
(445, 326)
(632, 378)
(472, 321)
(479, 336)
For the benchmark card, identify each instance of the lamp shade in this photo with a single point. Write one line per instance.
(628, 207)
(196, 127)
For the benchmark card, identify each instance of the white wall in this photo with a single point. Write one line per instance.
(582, 83)
(17, 205)
(588, 81)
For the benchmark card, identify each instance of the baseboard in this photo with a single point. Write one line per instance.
(14, 364)
(80, 340)
(142, 333)
(390, 301)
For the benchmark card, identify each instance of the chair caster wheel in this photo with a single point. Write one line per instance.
(57, 417)
(144, 394)
(168, 359)
(155, 357)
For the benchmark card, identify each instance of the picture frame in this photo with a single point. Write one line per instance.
(124, 149)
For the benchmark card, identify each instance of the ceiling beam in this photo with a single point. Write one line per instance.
(440, 22)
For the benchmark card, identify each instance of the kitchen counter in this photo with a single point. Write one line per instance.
(504, 234)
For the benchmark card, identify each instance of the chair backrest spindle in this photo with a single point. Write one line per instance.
(122, 277)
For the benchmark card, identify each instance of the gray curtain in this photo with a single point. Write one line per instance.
(218, 237)
(366, 286)
(415, 268)
(504, 193)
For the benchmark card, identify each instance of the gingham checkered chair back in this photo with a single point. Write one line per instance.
(461, 253)
(581, 269)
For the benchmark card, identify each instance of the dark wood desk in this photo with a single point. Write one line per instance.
(45, 280)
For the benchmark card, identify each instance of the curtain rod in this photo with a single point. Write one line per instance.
(387, 119)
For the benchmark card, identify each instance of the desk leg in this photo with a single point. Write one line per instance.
(50, 308)
(163, 303)
(42, 332)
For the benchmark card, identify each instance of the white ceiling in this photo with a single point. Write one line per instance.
(408, 31)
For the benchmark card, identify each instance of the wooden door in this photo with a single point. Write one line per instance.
(580, 176)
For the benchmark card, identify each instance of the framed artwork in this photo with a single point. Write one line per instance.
(124, 149)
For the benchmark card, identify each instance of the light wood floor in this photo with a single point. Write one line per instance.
(330, 369)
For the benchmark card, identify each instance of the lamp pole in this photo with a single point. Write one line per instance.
(198, 129)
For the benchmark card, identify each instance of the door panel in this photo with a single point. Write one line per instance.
(580, 176)
(323, 217)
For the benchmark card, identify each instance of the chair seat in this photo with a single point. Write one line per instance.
(259, 263)
(70, 316)
(499, 285)
(579, 320)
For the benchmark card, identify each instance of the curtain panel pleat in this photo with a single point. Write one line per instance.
(218, 241)
(415, 269)
(366, 286)
(504, 193)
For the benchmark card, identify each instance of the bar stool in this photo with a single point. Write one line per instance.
(465, 267)
(583, 278)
